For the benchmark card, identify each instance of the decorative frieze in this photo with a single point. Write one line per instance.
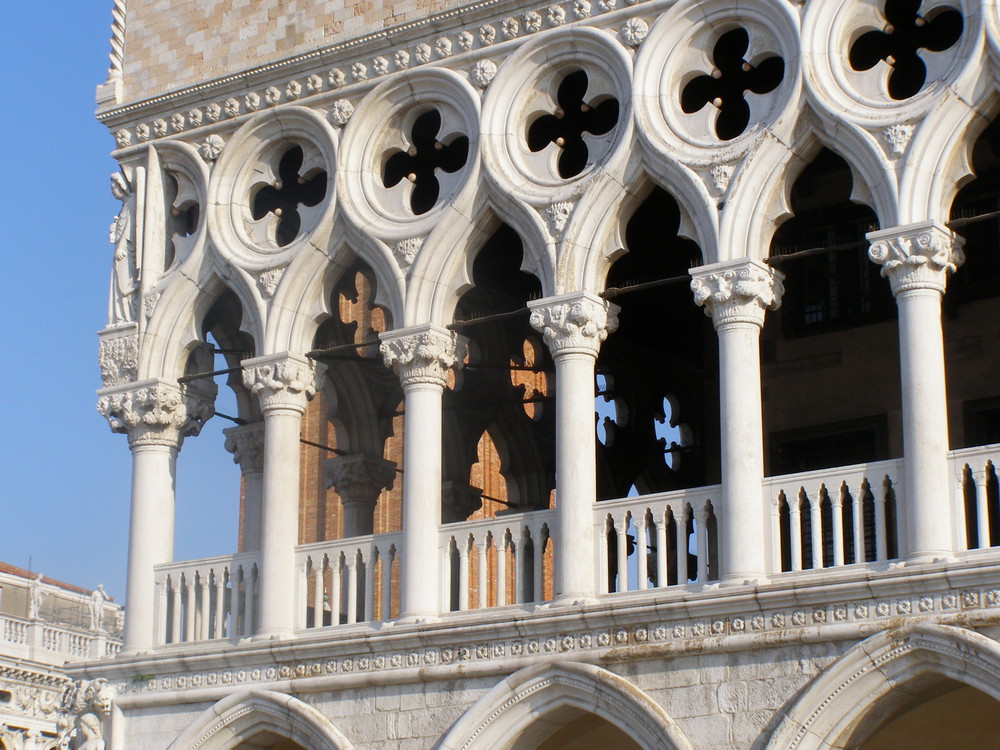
(283, 381)
(156, 412)
(917, 256)
(737, 291)
(424, 356)
(574, 323)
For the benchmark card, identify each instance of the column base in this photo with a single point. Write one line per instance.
(272, 635)
(929, 558)
(417, 619)
(739, 579)
(573, 600)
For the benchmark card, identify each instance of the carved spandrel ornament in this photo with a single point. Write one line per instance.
(246, 443)
(87, 705)
(424, 357)
(917, 256)
(579, 323)
(737, 292)
(118, 357)
(156, 412)
(122, 297)
(283, 381)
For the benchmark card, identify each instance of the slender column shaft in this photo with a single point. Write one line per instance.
(917, 260)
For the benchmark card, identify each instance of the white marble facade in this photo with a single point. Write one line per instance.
(764, 640)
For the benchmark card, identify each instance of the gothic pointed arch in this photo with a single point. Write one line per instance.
(840, 699)
(529, 696)
(243, 715)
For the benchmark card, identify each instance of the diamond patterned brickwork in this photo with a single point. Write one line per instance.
(172, 45)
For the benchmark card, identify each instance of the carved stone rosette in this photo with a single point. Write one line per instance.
(359, 477)
(246, 443)
(156, 412)
(917, 256)
(738, 291)
(283, 381)
(422, 356)
(574, 323)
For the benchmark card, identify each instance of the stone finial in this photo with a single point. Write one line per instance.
(422, 355)
(578, 322)
(246, 443)
(156, 412)
(739, 291)
(283, 381)
(916, 256)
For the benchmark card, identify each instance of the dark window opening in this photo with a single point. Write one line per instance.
(291, 190)
(831, 283)
(573, 117)
(823, 446)
(899, 43)
(727, 85)
(419, 163)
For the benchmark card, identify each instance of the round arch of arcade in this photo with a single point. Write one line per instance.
(530, 695)
(243, 715)
(829, 712)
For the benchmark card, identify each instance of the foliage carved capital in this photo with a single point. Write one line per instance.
(422, 356)
(283, 381)
(916, 256)
(246, 443)
(737, 291)
(156, 412)
(574, 323)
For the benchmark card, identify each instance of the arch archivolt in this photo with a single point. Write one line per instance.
(829, 711)
(240, 716)
(527, 696)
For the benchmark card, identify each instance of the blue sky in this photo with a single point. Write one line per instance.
(64, 478)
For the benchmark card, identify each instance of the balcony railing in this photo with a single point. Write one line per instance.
(53, 642)
(820, 519)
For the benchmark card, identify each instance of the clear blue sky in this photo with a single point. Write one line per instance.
(64, 478)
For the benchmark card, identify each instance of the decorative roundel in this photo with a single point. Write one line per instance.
(889, 56)
(557, 109)
(273, 187)
(407, 151)
(711, 76)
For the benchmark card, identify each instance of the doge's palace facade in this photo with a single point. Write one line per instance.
(429, 245)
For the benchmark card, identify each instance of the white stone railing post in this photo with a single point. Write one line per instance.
(246, 443)
(736, 294)
(421, 357)
(917, 259)
(284, 383)
(574, 326)
(156, 415)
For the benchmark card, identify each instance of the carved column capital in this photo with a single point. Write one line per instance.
(422, 355)
(118, 355)
(739, 291)
(156, 412)
(577, 323)
(246, 443)
(916, 256)
(359, 476)
(283, 381)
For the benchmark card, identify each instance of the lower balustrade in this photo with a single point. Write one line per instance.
(205, 599)
(348, 581)
(820, 519)
(653, 541)
(494, 562)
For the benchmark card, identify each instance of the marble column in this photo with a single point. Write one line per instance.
(735, 295)
(917, 259)
(574, 326)
(421, 357)
(246, 443)
(359, 479)
(156, 415)
(284, 383)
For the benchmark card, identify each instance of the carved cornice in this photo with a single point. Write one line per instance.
(359, 477)
(283, 381)
(574, 323)
(156, 412)
(118, 355)
(422, 356)
(917, 256)
(246, 443)
(737, 291)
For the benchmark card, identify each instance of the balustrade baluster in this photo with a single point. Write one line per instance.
(368, 568)
(205, 619)
(881, 552)
(481, 580)
(161, 613)
(175, 630)
(336, 595)
(500, 550)
(701, 519)
(517, 553)
(982, 507)
(189, 609)
(601, 532)
(858, 519)
(236, 589)
(462, 546)
(317, 568)
(837, 514)
(220, 603)
(385, 610)
(538, 555)
(621, 530)
(795, 529)
(352, 588)
(680, 532)
(661, 550)
(641, 561)
(815, 500)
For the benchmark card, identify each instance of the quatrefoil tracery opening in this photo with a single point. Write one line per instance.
(419, 163)
(900, 41)
(574, 116)
(726, 86)
(284, 197)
